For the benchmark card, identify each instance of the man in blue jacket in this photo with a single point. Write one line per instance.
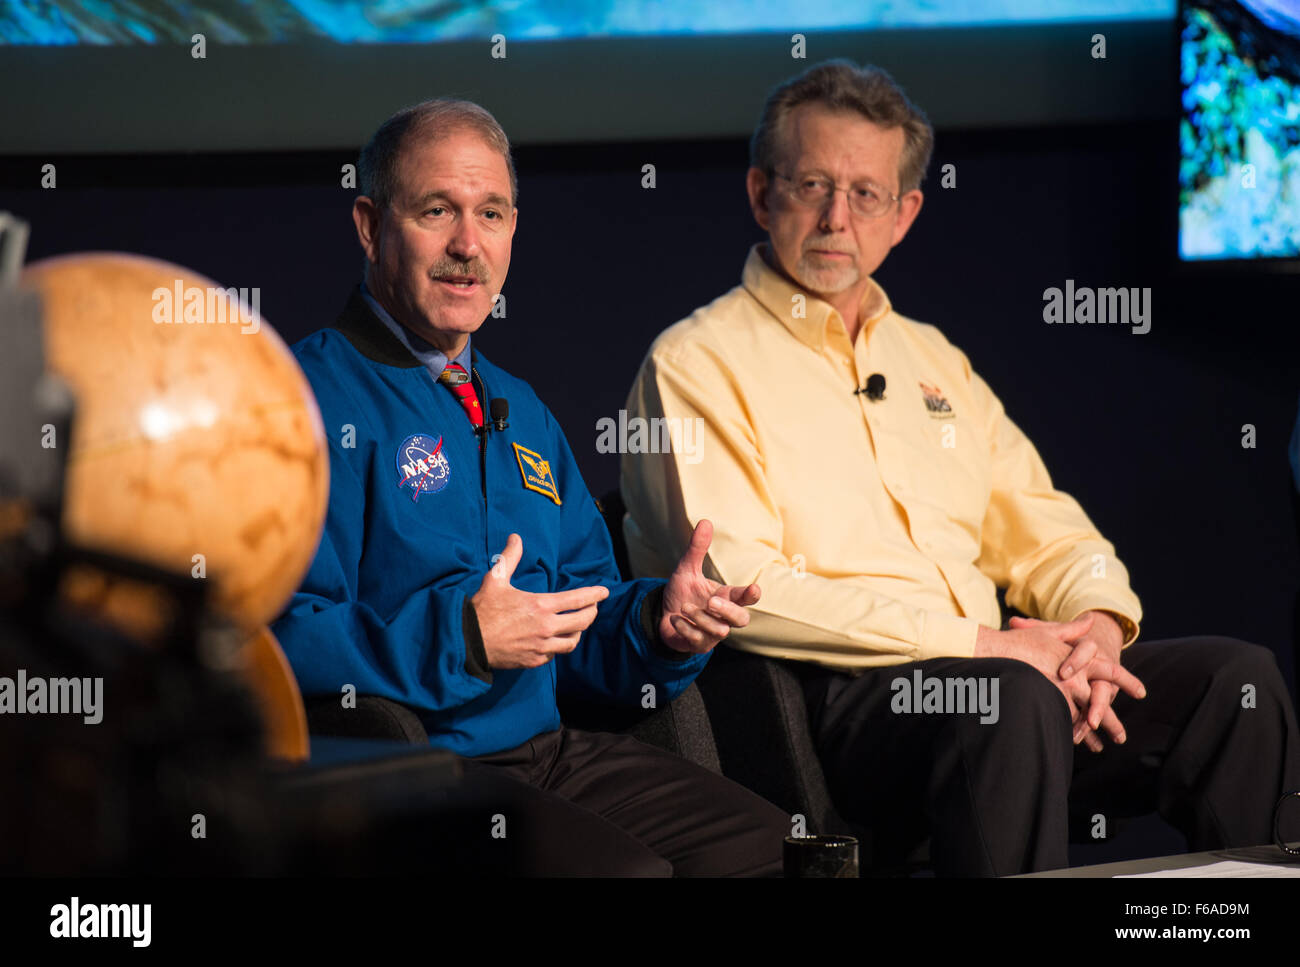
(464, 570)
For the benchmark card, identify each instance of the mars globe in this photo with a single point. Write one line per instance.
(197, 444)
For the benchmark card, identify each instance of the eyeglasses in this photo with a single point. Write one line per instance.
(866, 198)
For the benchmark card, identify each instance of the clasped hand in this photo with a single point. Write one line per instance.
(1081, 658)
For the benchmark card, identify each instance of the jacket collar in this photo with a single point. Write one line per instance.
(372, 339)
(369, 336)
(776, 294)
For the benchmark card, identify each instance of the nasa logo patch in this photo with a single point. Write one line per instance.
(421, 465)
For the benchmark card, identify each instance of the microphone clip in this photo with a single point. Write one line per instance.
(874, 388)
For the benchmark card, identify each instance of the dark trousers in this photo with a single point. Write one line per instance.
(996, 799)
(571, 803)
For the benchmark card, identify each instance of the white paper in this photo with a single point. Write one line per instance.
(1228, 868)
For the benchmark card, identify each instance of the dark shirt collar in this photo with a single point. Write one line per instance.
(432, 358)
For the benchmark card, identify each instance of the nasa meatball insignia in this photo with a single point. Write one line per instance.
(421, 465)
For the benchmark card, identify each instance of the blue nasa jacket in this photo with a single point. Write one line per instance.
(416, 514)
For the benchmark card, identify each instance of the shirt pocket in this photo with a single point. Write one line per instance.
(948, 460)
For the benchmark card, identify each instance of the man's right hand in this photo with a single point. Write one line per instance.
(525, 630)
(1048, 653)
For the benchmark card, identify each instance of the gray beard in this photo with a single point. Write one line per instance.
(806, 273)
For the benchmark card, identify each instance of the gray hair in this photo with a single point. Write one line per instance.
(436, 118)
(843, 86)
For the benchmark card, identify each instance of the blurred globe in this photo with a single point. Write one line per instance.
(197, 443)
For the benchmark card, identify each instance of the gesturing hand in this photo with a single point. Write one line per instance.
(698, 613)
(525, 630)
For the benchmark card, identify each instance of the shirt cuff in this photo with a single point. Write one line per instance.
(1127, 625)
(476, 660)
(652, 606)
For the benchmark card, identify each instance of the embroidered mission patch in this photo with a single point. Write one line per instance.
(536, 472)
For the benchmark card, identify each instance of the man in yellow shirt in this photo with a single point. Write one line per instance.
(861, 473)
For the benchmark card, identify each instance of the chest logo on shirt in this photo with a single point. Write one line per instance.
(536, 472)
(421, 465)
(938, 407)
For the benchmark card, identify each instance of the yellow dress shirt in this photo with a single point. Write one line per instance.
(878, 531)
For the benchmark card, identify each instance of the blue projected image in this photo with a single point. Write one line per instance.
(69, 22)
(1239, 176)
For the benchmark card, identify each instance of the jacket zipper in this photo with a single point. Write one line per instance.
(481, 441)
(482, 476)
(481, 438)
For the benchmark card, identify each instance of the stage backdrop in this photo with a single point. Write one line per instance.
(1145, 430)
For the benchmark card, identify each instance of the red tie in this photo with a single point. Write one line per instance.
(457, 380)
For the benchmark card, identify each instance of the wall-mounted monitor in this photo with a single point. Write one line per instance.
(87, 76)
(1239, 136)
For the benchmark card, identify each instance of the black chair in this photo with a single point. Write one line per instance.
(681, 728)
(1295, 607)
(373, 718)
(744, 718)
(757, 720)
(760, 727)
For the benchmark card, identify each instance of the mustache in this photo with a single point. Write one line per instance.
(826, 245)
(475, 269)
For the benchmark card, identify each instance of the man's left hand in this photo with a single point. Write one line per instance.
(698, 613)
(1103, 642)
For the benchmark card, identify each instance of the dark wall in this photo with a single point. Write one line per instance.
(1145, 430)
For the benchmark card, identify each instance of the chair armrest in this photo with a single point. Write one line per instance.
(373, 718)
(764, 740)
(681, 727)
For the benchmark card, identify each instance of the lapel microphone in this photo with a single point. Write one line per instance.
(875, 388)
(499, 408)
